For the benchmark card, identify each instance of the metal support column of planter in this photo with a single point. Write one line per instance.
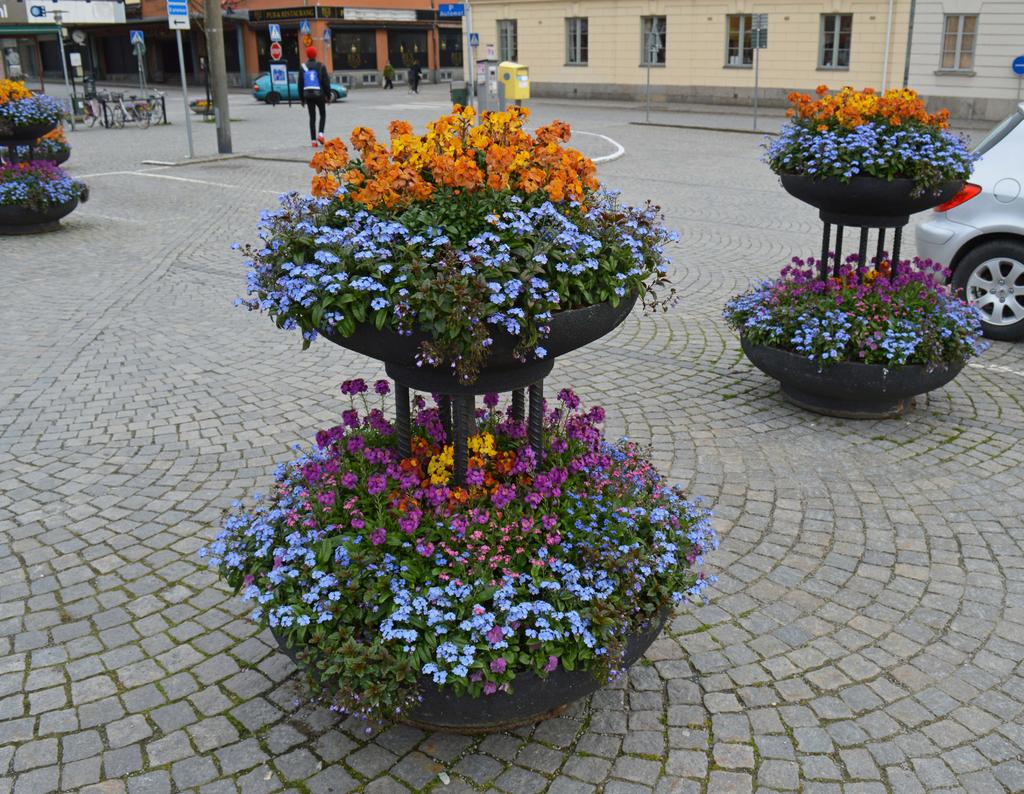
(457, 415)
(862, 248)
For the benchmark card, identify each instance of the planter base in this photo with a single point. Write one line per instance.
(847, 389)
(31, 228)
(511, 725)
(534, 699)
(845, 408)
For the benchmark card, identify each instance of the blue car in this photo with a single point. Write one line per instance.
(261, 90)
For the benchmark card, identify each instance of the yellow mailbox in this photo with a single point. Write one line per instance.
(514, 78)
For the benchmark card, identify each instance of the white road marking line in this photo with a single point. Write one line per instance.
(605, 158)
(149, 173)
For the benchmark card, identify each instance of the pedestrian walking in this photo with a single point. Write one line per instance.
(389, 76)
(313, 87)
(415, 72)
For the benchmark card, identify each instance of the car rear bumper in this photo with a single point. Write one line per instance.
(939, 239)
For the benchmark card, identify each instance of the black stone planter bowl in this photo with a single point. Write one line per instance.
(847, 389)
(61, 156)
(19, 219)
(866, 201)
(28, 134)
(533, 699)
(570, 330)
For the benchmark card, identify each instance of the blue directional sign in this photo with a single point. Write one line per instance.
(304, 27)
(135, 37)
(275, 32)
(278, 74)
(327, 34)
(177, 15)
(451, 10)
(1018, 65)
(38, 11)
(474, 39)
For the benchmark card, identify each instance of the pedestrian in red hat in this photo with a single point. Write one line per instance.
(313, 87)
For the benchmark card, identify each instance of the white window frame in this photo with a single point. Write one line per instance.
(577, 41)
(958, 51)
(746, 24)
(654, 25)
(508, 40)
(837, 31)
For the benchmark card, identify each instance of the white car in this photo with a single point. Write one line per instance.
(979, 233)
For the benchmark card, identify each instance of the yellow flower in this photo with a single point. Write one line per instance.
(482, 444)
(439, 467)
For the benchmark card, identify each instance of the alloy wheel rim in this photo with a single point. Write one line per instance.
(996, 287)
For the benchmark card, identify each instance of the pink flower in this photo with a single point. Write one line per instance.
(495, 635)
(490, 687)
(498, 665)
(378, 536)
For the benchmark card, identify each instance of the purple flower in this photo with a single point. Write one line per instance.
(495, 635)
(569, 399)
(382, 387)
(498, 665)
(355, 443)
(551, 664)
(490, 399)
(353, 387)
(376, 484)
(490, 687)
(349, 480)
(503, 496)
(378, 536)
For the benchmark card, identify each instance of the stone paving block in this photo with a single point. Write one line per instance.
(332, 780)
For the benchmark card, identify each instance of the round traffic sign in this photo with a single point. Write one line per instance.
(275, 50)
(1018, 65)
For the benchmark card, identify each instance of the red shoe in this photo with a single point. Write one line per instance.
(320, 137)
(314, 144)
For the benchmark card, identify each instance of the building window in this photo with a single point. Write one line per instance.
(959, 33)
(576, 41)
(406, 47)
(652, 41)
(450, 40)
(835, 41)
(508, 41)
(739, 50)
(354, 49)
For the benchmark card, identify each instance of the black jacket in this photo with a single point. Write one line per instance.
(325, 82)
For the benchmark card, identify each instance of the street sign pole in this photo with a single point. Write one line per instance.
(757, 75)
(471, 51)
(58, 17)
(184, 94)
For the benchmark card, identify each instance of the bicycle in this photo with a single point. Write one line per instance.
(156, 107)
(131, 110)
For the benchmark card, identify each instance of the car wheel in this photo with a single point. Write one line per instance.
(992, 278)
(273, 98)
(333, 96)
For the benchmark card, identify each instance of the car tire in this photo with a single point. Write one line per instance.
(272, 98)
(992, 278)
(333, 97)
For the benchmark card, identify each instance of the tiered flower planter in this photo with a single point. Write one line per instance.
(501, 605)
(868, 206)
(20, 219)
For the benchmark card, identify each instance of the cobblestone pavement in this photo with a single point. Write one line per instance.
(866, 633)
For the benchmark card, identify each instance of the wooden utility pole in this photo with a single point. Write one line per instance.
(218, 71)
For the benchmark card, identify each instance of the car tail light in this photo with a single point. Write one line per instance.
(967, 192)
(255, 86)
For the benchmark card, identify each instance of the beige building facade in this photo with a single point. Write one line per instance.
(699, 51)
(962, 54)
(702, 50)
